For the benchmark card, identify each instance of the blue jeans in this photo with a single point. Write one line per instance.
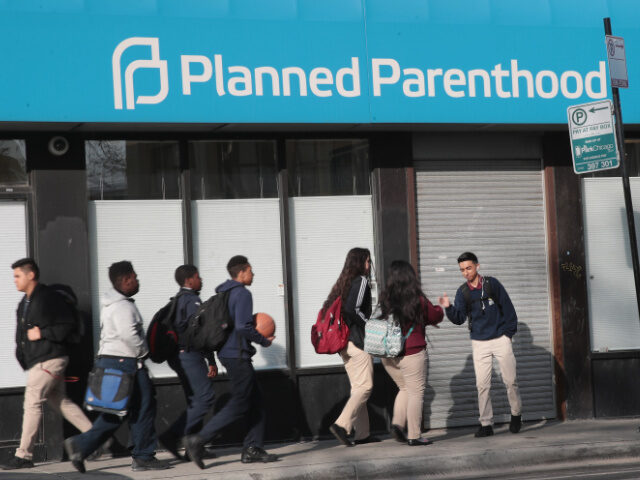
(245, 403)
(192, 370)
(142, 414)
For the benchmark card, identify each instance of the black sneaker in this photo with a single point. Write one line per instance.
(397, 434)
(515, 424)
(484, 431)
(17, 462)
(257, 454)
(194, 447)
(74, 455)
(341, 434)
(207, 452)
(418, 442)
(140, 464)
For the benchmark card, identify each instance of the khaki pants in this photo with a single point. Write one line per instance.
(408, 373)
(359, 367)
(483, 353)
(41, 387)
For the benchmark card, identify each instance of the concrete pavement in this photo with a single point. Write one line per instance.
(454, 452)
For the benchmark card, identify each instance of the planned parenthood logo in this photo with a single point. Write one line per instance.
(151, 63)
(221, 75)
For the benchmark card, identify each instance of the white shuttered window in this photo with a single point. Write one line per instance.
(613, 309)
(148, 233)
(250, 227)
(323, 230)
(13, 246)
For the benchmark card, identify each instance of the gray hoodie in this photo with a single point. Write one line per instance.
(121, 331)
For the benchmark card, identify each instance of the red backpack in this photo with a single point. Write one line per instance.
(330, 334)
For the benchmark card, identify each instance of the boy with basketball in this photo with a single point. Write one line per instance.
(235, 356)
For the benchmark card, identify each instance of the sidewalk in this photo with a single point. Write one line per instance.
(455, 451)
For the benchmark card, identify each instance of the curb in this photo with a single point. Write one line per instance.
(495, 459)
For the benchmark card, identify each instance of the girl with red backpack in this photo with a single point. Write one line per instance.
(354, 289)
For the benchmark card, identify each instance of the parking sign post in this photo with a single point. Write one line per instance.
(612, 55)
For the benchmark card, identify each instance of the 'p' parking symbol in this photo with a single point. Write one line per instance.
(579, 116)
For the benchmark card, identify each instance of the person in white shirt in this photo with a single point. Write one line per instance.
(122, 347)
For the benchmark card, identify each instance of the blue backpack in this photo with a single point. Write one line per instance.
(109, 390)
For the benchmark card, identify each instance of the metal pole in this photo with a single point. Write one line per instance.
(625, 179)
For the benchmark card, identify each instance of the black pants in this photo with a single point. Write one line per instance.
(192, 370)
(245, 403)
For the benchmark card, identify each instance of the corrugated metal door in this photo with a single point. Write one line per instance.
(496, 210)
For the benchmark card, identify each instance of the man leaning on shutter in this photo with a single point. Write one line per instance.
(492, 324)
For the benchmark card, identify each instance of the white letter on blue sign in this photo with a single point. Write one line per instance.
(378, 80)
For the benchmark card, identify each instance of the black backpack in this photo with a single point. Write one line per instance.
(162, 339)
(488, 294)
(208, 330)
(66, 293)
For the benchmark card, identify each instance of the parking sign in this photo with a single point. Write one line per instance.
(617, 61)
(593, 139)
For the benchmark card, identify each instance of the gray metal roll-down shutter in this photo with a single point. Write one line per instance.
(494, 208)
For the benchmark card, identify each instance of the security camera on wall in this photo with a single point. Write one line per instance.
(58, 146)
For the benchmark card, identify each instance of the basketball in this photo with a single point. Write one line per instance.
(264, 324)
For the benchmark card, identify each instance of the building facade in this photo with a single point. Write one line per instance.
(291, 132)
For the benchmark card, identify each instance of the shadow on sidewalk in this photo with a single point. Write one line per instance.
(463, 413)
(465, 403)
(38, 475)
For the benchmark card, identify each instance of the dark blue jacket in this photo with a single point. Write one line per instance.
(238, 344)
(356, 309)
(490, 322)
(188, 303)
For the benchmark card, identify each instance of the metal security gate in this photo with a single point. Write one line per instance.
(494, 208)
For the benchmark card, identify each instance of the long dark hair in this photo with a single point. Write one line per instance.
(354, 266)
(401, 295)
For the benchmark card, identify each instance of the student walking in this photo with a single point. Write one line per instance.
(122, 347)
(44, 323)
(190, 366)
(485, 304)
(246, 395)
(404, 300)
(353, 287)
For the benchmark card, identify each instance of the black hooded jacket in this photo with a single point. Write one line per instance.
(48, 311)
(356, 309)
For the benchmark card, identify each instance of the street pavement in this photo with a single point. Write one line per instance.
(455, 452)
